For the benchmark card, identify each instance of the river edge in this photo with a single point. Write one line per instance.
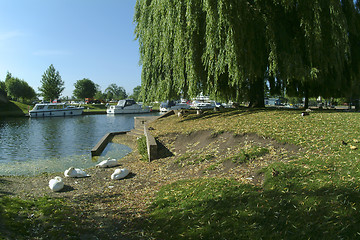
(121, 208)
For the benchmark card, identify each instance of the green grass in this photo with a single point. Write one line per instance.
(226, 209)
(142, 148)
(244, 155)
(25, 219)
(316, 194)
(94, 107)
(13, 109)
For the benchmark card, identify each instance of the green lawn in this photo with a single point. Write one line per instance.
(315, 196)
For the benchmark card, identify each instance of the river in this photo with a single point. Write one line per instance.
(30, 146)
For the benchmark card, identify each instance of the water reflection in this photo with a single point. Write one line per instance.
(33, 145)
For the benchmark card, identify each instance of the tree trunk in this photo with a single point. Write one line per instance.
(256, 94)
(306, 102)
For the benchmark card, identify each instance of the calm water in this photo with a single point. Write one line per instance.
(31, 146)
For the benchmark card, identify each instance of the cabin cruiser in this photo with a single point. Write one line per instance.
(55, 110)
(172, 105)
(127, 106)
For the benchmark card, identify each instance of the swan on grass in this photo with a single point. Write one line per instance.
(56, 184)
(119, 173)
(108, 163)
(75, 173)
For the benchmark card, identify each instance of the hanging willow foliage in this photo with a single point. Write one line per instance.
(227, 48)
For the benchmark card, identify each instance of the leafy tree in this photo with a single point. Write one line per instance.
(99, 95)
(17, 88)
(136, 93)
(2, 86)
(84, 88)
(229, 48)
(28, 92)
(51, 84)
(115, 92)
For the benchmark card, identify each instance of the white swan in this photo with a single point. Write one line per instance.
(108, 163)
(75, 173)
(56, 184)
(119, 173)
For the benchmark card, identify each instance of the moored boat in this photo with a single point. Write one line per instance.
(127, 106)
(55, 110)
(173, 105)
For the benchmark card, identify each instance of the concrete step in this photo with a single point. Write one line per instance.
(135, 133)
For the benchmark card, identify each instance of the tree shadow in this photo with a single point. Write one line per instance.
(4, 192)
(10, 109)
(248, 212)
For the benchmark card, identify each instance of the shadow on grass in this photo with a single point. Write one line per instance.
(10, 109)
(3, 187)
(223, 209)
(229, 112)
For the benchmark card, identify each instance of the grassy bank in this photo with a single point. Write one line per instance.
(13, 109)
(309, 193)
(315, 194)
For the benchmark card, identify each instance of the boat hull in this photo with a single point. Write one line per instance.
(126, 111)
(56, 113)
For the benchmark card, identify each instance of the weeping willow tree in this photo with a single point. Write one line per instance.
(229, 48)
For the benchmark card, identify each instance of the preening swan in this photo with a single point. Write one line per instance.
(108, 163)
(119, 173)
(56, 184)
(75, 173)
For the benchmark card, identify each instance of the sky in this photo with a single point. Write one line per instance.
(91, 39)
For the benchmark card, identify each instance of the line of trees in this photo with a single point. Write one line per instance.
(16, 88)
(233, 49)
(52, 87)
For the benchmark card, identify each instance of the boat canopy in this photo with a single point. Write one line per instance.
(125, 103)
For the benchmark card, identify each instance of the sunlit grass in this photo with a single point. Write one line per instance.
(315, 196)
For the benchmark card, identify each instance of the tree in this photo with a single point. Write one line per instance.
(136, 93)
(2, 86)
(17, 88)
(51, 84)
(229, 48)
(115, 92)
(84, 88)
(28, 92)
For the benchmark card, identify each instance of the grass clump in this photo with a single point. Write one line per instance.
(246, 155)
(193, 158)
(142, 148)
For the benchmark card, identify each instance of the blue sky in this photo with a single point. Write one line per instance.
(82, 38)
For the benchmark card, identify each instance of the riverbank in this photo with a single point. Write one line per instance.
(234, 174)
(17, 109)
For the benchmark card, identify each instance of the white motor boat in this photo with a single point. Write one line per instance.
(172, 105)
(201, 105)
(202, 102)
(55, 110)
(127, 106)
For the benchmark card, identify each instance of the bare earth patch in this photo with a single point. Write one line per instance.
(117, 208)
